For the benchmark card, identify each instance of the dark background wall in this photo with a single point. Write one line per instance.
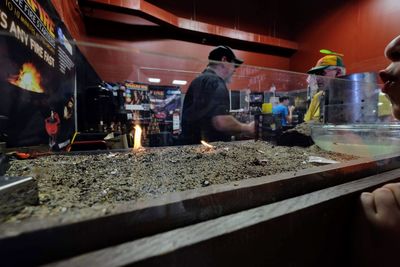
(359, 29)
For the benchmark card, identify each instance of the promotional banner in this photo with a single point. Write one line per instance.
(37, 75)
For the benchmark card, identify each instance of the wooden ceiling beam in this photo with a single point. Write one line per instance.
(161, 16)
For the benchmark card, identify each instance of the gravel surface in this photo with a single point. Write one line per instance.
(73, 184)
(303, 128)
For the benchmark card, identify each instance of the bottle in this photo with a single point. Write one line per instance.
(268, 124)
(176, 122)
(257, 116)
(101, 127)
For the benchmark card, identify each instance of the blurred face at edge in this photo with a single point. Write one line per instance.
(229, 70)
(391, 75)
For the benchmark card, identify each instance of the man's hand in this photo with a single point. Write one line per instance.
(249, 129)
(382, 208)
(377, 231)
(228, 124)
(291, 108)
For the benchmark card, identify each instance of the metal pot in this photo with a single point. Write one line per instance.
(352, 99)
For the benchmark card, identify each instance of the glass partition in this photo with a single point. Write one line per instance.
(84, 98)
(109, 145)
(343, 103)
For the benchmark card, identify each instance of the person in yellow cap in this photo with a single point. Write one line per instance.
(328, 66)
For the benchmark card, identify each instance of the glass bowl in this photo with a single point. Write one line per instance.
(364, 140)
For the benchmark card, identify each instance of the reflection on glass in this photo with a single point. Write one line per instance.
(101, 106)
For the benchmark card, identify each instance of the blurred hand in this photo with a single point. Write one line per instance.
(248, 129)
(291, 108)
(377, 231)
(382, 208)
(251, 129)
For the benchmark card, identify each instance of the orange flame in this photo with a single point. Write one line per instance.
(137, 141)
(28, 78)
(207, 145)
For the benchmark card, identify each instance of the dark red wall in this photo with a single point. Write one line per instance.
(70, 14)
(136, 55)
(360, 30)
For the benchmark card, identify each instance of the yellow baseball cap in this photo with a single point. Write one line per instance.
(327, 61)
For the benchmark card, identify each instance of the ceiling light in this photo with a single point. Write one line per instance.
(154, 80)
(179, 82)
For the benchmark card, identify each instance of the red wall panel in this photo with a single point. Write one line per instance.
(113, 65)
(172, 59)
(360, 30)
(69, 12)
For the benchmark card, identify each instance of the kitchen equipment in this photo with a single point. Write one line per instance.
(351, 99)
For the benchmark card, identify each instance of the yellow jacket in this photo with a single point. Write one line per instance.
(313, 110)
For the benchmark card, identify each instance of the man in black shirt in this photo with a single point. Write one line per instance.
(205, 114)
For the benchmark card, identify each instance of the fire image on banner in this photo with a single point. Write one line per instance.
(37, 77)
(28, 78)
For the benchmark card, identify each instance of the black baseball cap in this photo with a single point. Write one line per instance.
(223, 50)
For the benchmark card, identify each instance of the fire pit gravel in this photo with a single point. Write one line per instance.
(72, 184)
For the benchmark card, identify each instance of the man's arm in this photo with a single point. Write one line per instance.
(229, 125)
(289, 117)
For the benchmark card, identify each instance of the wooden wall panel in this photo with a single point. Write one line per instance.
(115, 65)
(360, 30)
(69, 12)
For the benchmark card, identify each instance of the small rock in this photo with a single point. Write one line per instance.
(105, 211)
(205, 183)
